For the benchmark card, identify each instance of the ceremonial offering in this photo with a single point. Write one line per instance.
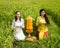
(29, 25)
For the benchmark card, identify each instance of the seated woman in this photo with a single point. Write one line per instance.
(18, 24)
(41, 23)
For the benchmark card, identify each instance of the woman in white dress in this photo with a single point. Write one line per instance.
(18, 24)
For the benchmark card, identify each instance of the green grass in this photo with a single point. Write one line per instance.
(29, 7)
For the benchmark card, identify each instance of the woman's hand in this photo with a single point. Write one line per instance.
(43, 23)
(18, 26)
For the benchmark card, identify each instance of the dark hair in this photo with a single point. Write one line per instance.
(16, 16)
(46, 18)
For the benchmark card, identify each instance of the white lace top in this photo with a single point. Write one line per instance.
(21, 23)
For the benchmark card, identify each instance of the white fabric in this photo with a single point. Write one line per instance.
(18, 32)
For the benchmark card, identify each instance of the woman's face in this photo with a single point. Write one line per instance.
(18, 14)
(42, 13)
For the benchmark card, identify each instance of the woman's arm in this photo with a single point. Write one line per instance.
(13, 24)
(37, 21)
(23, 23)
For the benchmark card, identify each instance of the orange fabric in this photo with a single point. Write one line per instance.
(46, 33)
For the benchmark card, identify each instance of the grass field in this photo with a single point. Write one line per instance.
(29, 7)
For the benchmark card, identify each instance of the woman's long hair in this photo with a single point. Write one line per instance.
(16, 16)
(46, 18)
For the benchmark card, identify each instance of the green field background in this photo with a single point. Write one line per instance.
(29, 7)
